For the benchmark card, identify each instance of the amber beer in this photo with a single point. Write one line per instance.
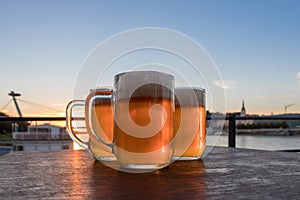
(189, 123)
(149, 109)
(102, 120)
(98, 112)
(139, 111)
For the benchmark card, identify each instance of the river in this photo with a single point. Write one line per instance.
(261, 142)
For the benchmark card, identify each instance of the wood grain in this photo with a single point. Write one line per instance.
(224, 173)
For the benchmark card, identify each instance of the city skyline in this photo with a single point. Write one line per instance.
(253, 43)
(56, 113)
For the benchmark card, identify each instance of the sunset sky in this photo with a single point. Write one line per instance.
(255, 45)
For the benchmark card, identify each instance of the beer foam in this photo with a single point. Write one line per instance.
(144, 84)
(105, 92)
(105, 89)
(189, 96)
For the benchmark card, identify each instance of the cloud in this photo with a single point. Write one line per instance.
(225, 84)
(287, 96)
(261, 98)
(298, 76)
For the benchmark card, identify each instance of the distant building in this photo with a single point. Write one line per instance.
(243, 110)
(215, 124)
(241, 123)
(43, 137)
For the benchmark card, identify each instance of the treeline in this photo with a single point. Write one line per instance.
(7, 127)
(258, 125)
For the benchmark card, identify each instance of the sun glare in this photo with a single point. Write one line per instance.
(76, 146)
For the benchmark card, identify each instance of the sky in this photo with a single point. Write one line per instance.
(254, 44)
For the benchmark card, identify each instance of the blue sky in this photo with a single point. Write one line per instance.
(255, 45)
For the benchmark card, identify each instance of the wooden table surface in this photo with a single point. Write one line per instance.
(225, 173)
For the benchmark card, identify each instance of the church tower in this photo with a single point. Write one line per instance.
(243, 110)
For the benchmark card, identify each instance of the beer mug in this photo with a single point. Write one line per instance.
(102, 120)
(189, 123)
(143, 104)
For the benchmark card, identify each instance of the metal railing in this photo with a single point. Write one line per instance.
(25, 119)
(37, 136)
(231, 118)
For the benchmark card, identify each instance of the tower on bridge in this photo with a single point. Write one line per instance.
(14, 95)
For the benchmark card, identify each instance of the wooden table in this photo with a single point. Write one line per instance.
(225, 173)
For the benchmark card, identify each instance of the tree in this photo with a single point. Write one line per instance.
(5, 127)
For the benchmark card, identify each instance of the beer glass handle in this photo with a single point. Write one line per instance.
(90, 121)
(69, 119)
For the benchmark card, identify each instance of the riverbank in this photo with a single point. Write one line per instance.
(257, 141)
(269, 131)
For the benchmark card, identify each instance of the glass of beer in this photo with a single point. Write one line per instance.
(189, 123)
(143, 119)
(102, 120)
